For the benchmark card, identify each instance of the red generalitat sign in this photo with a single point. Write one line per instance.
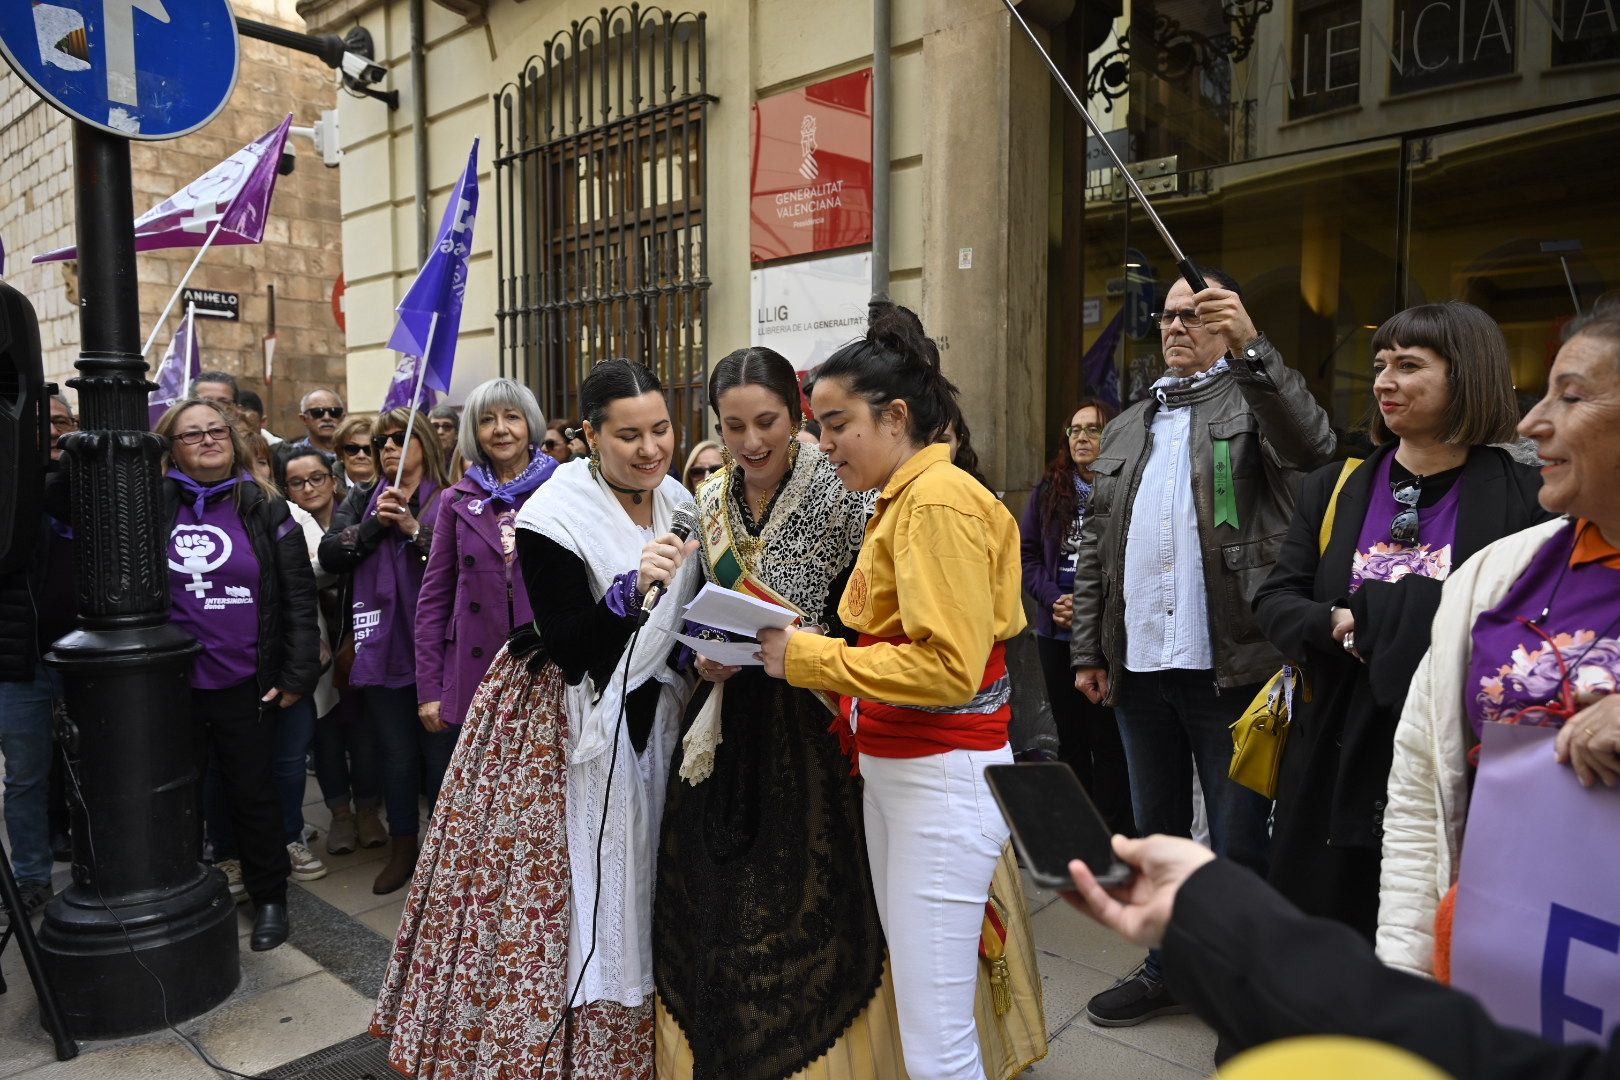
(811, 181)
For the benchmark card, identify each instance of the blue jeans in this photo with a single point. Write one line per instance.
(294, 728)
(27, 743)
(346, 754)
(413, 758)
(1170, 721)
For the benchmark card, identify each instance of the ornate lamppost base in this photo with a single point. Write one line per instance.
(139, 889)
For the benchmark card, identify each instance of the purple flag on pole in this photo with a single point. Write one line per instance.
(1098, 367)
(399, 390)
(234, 196)
(437, 292)
(181, 364)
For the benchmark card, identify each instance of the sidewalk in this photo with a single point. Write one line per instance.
(316, 992)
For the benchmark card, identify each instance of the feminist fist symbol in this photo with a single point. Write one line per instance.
(194, 548)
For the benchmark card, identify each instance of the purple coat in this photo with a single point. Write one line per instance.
(461, 613)
(1041, 550)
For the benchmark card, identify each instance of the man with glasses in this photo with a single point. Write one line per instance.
(63, 422)
(321, 411)
(1194, 490)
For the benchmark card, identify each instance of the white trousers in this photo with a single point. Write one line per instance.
(933, 835)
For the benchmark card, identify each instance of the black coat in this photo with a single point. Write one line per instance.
(289, 633)
(1335, 767)
(1253, 968)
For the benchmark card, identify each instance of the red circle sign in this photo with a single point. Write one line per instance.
(338, 289)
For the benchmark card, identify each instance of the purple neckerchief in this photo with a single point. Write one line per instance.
(533, 475)
(201, 494)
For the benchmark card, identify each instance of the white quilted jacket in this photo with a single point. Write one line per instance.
(1428, 781)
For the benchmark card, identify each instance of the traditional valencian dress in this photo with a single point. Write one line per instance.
(769, 953)
(510, 887)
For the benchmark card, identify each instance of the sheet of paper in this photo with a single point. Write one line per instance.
(729, 653)
(735, 612)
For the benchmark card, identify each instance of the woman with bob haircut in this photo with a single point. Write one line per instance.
(240, 582)
(1351, 610)
(383, 535)
(934, 596)
(472, 591)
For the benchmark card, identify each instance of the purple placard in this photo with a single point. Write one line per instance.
(1537, 930)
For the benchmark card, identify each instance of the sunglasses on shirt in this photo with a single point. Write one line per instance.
(333, 412)
(1404, 528)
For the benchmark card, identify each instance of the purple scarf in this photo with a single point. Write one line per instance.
(201, 493)
(533, 475)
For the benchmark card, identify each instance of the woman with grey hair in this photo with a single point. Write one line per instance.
(472, 593)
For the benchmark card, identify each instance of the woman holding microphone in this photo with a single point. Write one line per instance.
(933, 596)
(525, 947)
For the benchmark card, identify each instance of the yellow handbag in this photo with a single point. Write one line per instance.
(1259, 735)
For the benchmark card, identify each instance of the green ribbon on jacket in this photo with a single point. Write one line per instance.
(1225, 498)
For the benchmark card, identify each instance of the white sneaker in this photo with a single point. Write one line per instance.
(233, 877)
(305, 866)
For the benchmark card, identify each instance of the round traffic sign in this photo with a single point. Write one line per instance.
(143, 69)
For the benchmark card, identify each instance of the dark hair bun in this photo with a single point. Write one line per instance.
(896, 360)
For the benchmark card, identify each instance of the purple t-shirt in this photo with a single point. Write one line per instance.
(1380, 558)
(1514, 668)
(214, 592)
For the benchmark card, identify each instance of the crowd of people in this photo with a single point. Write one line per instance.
(642, 861)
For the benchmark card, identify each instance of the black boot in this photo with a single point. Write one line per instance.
(269, 927)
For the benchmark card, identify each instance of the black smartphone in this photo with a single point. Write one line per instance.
(1053, 820)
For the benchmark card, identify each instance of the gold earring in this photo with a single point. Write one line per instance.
(725, 455)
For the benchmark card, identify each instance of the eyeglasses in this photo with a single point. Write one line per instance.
(703, 472)
(1189, 318)
(1092, 431)
(323, 412)
(356, 449)
(550, 444)
(1404, 529)
(65, 423)
(313, 483)
(380, 441)
(443, 425)
(216, 433)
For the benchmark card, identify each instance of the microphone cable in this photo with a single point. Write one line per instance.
(601, 832)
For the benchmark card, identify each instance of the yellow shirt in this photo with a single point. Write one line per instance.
(940, 569)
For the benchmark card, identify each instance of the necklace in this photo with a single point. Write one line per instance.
(636, 494)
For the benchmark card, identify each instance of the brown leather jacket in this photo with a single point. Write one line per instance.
(1275, 431)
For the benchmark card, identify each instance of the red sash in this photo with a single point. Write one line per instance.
(905, 731)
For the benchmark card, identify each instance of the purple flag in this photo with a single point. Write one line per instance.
(234, 196)
(1537, 924)
(440, 286)
(181, 364)
(399, 391)
(1098, 367)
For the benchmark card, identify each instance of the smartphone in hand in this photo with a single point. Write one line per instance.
(1053, 820)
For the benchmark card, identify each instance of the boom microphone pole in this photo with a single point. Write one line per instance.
(1189, 272)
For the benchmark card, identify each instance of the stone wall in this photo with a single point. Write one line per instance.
(302, 255)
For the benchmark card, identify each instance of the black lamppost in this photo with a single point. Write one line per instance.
(139, 887)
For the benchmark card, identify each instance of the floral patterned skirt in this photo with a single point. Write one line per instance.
(476, 983)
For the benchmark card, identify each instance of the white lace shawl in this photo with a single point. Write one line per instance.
(577, 511)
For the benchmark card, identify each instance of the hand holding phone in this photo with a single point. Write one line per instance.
(1053, 821)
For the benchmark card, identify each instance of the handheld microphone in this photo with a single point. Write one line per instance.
(683, 525)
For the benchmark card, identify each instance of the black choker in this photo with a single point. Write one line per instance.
(634, 493)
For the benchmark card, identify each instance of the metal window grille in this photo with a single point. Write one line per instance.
(601, 180)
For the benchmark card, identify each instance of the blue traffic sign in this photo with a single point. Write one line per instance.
(144, 69)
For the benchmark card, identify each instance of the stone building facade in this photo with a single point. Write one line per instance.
(301, 257)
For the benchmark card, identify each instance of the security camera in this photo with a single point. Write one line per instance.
(363, 71)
